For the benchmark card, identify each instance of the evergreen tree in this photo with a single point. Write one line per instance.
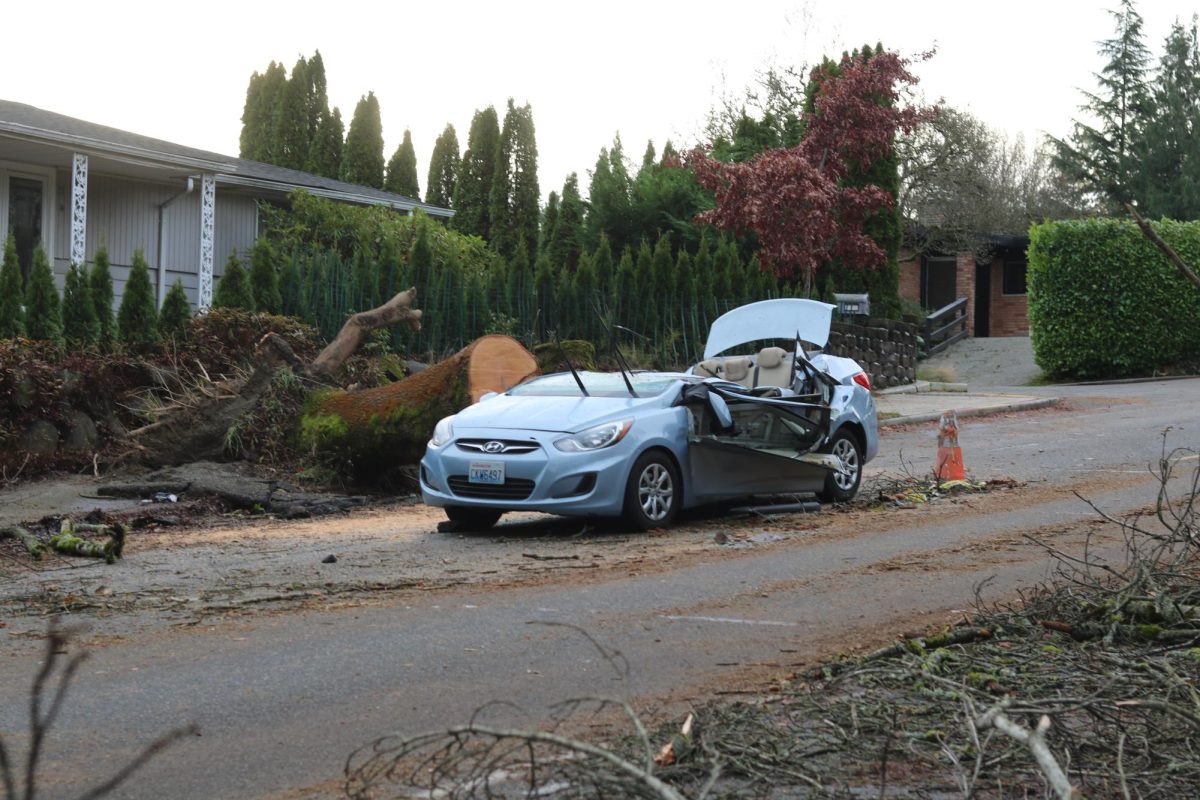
(602, 262)
(444, 165)
(1168, 150)
(723, 261)
(585, 291)
(520, 286)
(318, 97)
(325, 155)
(264, 277)
(175, 318)
(12, 317)
(549, 220)
(566, 241)
(291, 286)
(233, 287)
(264, 97)
(662, 286)
(703, 270)
(643, 301)
(43, 309)
(498, 297)
(102, 296)
(473, 190)
(648, 157)
(545, 281)
(686, 308)
(609, 199)
(362, 155)
(402, 170)
(515, 196)
(292, 135)
(81, 329)
(137, 319)
(1102, 157)
(420, 258)
(624, 290)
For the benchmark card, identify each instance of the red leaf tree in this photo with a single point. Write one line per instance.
(793, 198)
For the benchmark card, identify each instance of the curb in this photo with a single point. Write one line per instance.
(920, 387)
(1024, 405)
(1116, 381)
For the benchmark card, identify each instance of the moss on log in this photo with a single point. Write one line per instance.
(34, 546)
(68, 542)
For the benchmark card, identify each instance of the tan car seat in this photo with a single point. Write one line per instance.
(773, 368)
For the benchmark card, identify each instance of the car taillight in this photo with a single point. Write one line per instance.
(862, 380)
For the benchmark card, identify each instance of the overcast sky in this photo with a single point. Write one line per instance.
(650, 70)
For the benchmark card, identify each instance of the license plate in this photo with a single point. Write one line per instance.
(486, 472)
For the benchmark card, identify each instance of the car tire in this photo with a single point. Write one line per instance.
(839, 488)
(654, 491)
(472, 519)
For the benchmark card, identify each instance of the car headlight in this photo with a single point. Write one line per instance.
(605, 435)
(442, 432)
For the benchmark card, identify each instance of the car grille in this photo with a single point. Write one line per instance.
(511, 489)
(511, 447)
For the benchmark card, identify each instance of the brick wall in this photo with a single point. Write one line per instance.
(964, 269)
(910, 277)
(1010, 313)
(886, 349)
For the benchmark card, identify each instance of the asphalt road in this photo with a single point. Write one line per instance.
(281, 700)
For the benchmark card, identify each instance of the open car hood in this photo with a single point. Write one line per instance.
(770, 319)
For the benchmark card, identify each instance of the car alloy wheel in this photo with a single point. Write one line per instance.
(841, 486)
(654, 491)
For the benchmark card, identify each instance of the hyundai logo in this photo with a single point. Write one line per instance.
(494, 447)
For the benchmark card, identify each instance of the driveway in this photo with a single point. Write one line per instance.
(990, 362)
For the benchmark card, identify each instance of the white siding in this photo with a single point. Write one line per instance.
(124, 215)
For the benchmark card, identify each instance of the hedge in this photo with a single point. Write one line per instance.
(1105, 303)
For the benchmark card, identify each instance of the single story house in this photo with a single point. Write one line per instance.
(994, 285)
(73, 186)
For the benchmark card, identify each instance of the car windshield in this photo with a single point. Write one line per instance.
(599, 384)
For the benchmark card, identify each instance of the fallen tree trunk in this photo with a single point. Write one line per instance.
(34, 546)
(68, 541)
(389, 425)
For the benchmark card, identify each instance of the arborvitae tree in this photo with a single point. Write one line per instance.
(420, 258)
(264, 277)
(233, 288)
(325, 155)
(643, 301)
(585, 297)
(602, 262)
(293, 138)
(402, 170)
(624, 288)
(318, 97)
(649, 156)
(662, 267)
(100, 279)
(685, 281)
(703, 270)
(515, 196)
(609, 199)
(43, 309)
(12, 321)
(549, 220)
(364, 293)
(520, 285)
(723, 262)
(566, 241)
(444, 165)
(264, 96)
(175, 318)
(497, 284)
(137, 319)
(544, 284)
(473, 191)
(80, 326)
(1102, 158)
(362, 155)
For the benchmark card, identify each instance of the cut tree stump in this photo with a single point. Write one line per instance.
(389, 425)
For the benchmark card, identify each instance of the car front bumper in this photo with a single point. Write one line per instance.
(545, 479)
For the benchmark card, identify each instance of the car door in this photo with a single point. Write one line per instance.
(740, 444)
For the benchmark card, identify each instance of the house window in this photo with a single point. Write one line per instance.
(1014, 277)
(25, 218)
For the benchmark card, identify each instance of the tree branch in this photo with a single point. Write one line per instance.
(1153, 236)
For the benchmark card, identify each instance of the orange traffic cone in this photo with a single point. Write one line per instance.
(949, 454)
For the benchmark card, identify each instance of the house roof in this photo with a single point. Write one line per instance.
(26, 122)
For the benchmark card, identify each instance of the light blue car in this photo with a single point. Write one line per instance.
(645, 445)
